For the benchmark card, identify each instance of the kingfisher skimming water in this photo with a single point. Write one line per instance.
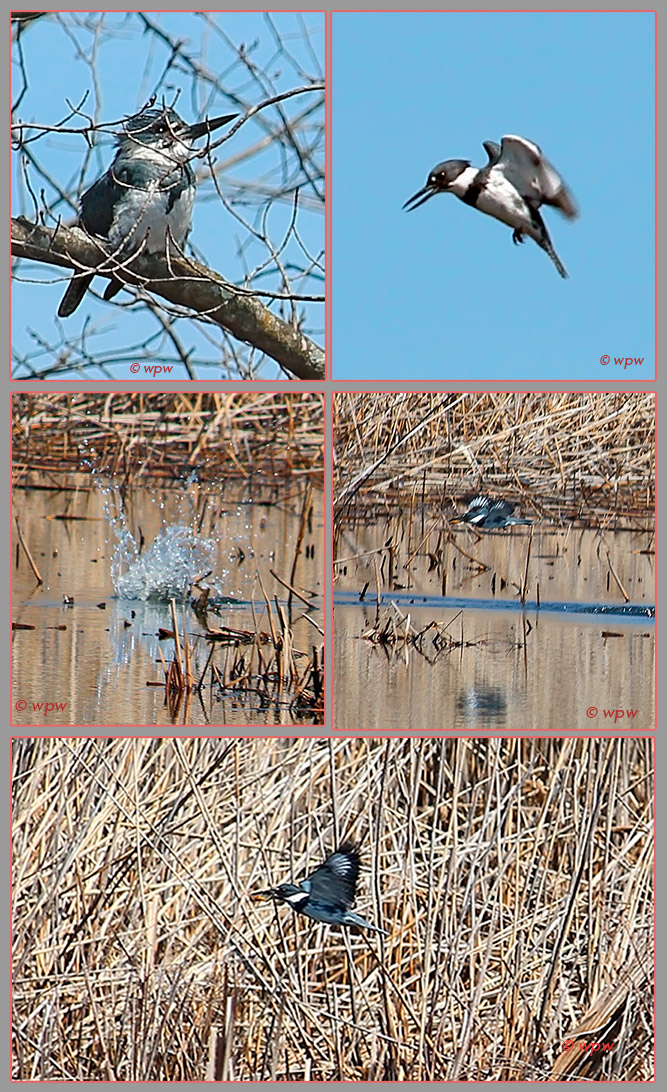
(512, 187)
(488, 512)
(147, 192)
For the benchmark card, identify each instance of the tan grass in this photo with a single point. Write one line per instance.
(124, 434)
(514, 876)
(586, 451)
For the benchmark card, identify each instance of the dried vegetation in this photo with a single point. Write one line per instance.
(562, 456)
(240, 435)
(515, 879)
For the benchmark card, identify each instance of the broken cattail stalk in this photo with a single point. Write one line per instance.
(613, 572)
(524, 583)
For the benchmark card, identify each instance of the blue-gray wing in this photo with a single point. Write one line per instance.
(97, 205)
(335, 881)
(530, 172)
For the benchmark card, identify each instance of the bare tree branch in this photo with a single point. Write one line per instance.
(181, 281)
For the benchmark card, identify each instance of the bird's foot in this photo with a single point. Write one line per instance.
(517, 237)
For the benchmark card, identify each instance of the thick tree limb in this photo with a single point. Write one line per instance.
(181, 281)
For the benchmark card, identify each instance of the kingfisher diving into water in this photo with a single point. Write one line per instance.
(147, 192)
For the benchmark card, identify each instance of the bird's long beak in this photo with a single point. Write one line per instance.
(418, 198)
(201, 128)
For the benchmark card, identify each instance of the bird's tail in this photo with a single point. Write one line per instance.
(356, 919)
(76, 290)
(547, 245)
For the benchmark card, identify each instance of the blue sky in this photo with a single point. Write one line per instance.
(131, 65)
(441, 293)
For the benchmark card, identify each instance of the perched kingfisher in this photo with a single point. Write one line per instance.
(488, 512)
(327, 893)
(148, 190)
(512, 187)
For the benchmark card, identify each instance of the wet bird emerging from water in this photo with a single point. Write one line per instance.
(328, 893)
(490, 512)
(512, 187)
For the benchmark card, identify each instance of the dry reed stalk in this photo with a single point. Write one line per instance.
(617, 581)
(306, 515)
(26, 551)
(523, 592)
(177, 642)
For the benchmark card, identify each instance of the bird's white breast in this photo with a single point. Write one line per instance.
(500, 199)
(145, 211)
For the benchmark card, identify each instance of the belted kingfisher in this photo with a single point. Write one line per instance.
(149, 189)
(512, 187)
(490, 513)
(328, 893)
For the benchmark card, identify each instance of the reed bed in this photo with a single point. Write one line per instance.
(566, 455)
(253, 666)
(514, 878)
(126, 434)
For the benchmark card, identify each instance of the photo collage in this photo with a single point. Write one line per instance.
(332, 546)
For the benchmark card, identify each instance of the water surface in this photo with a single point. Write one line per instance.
(96, 656)
(483, 663)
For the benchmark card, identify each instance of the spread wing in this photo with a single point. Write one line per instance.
(480, 501)
(339, 872)
(502, 507)
(531, 173)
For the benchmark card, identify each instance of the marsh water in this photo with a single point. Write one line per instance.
(108, 569)
(577, 656)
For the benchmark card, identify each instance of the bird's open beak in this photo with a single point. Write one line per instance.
(201, 128)
(418, 198)
(262, 896)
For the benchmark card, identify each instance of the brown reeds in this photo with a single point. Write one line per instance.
(514, 877)
(563, 456)
(127, 434)
(248, 664)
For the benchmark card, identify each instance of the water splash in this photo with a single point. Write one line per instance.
(166, 569)
(177, 556)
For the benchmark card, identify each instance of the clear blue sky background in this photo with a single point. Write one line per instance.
(131, 66)
(442, 293)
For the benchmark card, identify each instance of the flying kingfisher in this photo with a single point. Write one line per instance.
(489, 512)
(512, 187)
(148, 190)
(327, 893)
